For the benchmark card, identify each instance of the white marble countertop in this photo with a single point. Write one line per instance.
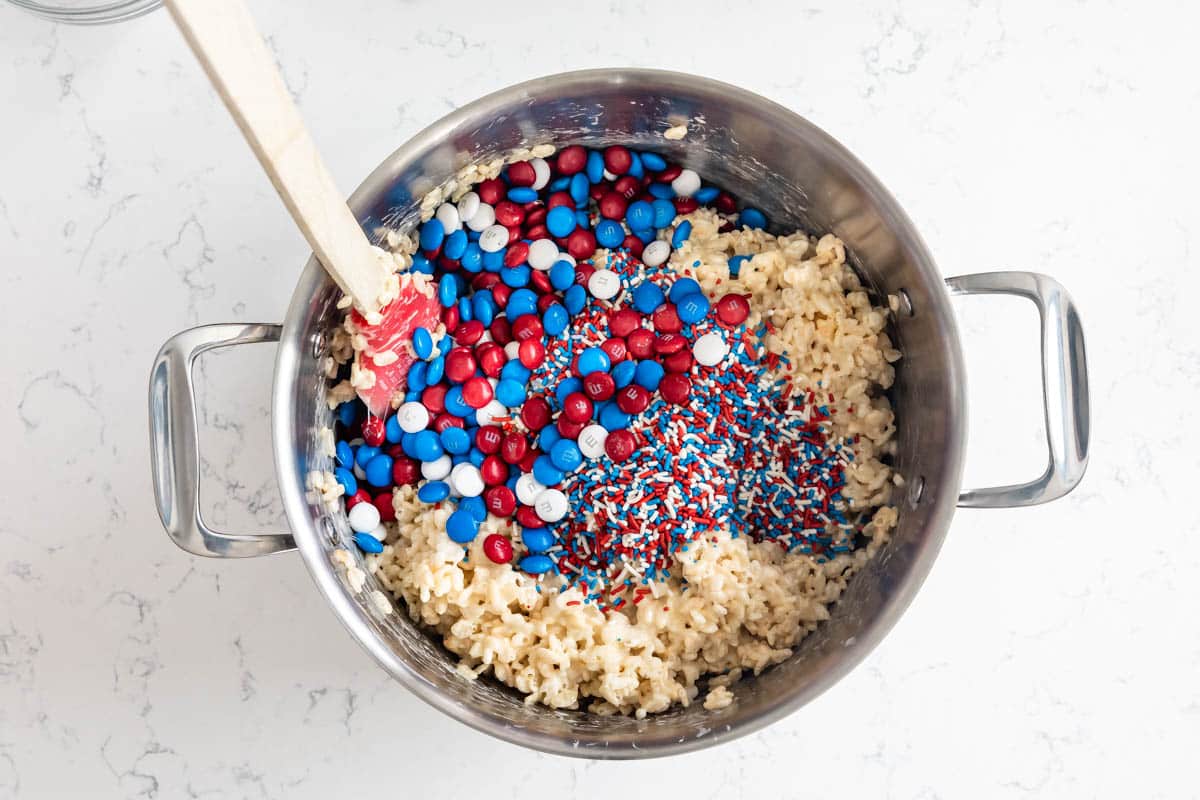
(1042, 658)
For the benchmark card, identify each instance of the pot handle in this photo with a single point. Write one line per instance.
(174, 453)
(1064, 388)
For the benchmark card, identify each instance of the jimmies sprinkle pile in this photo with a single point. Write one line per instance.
(597, 402)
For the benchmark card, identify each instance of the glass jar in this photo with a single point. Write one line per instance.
(88, 12)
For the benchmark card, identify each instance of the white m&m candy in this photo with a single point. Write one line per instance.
(655, 253)
(542, 254)
(591, 440)
(466, 480)
(493, 239)
(363, 518)
(551, 505)
(412, 417)
(468, 204)
(686, 184)
(710, 349)
(447, 214)
(528, 488)
(604, 284)
(483, 218)
(435, 470)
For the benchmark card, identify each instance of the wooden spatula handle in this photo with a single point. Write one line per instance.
(223, 37)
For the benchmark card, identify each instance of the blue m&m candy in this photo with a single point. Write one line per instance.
(562, 275)
(433, 492)
(455, 440)
(427, 446)
(520, 303)
(565, 455)
(538, 540)
(682, 232)
(456, 245)
(346, 478)
(461, 527)
(752, 218)
(647, 297)
(379, 470)
(649, 374)
(560, 221)
(692, 308)
(432, 234)
(639, 215)
(546, 472)
(609, 233)
(555, 320)
(422, 343)
(594, 360)
(682, 288)
(623, 374)
(536, 565)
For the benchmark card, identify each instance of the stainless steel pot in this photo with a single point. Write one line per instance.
(800, 177)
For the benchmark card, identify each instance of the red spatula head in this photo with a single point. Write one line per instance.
(390, 341)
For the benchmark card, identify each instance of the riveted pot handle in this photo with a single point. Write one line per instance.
(1064, 388)
(175, 454)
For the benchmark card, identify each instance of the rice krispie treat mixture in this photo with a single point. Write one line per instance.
(639, 446)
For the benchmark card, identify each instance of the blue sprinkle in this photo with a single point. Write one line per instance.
(538, 540)
(461, 527)
(432, 234)
(522, 194)
(682, 232)
(346, 478)
(368, 543)
(433, 492)
(422, 343)
(560, 221)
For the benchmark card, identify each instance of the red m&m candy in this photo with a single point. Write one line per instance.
(619, 445)
(640, 343)
(460, 364)
(624, 322)
(675, 388)
(500, 501)
(733, 309)
(488, 439)
(577, 407)
(498, 549)
(599, 386)
(535, 413)
(374, 430)
(514, 447)
(477, 392)
(633, 399)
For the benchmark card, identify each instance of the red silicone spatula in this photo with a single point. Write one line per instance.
(388, 307)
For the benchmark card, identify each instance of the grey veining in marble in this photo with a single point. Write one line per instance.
(1053, 652)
